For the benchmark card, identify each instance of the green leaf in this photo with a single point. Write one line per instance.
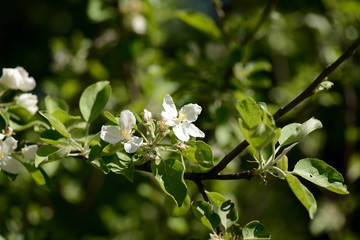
(65, 118)
(204, 212)
(249, 112)
(216, 198)
(39, 175)
(254, 230)
(226, 209)
(303, 194)
(120, 163)
(52, 104)
(94, 99)
(173, 210)
(200, 21)
(169, 174)
(4, 119)
(56, 124)
(111, 117)
(228, 214)
(282, 163)
(20, 114)
(200, 154)
(320, 173)
(295, 132)
(258, 137)
(47, 153)
(52, 137)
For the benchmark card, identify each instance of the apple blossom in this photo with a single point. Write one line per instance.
(17, 78)
(114, 134)
(29, 152)
(147, 115)
(27, 101)
(182, 121)
(7, 162)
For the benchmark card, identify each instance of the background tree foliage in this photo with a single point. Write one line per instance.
(208, 52)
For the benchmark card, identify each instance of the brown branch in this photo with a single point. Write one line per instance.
(283, 110)
(264, 16)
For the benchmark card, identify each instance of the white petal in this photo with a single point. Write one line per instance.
(169, 106)
(11, 78)
(9, 145)
(133, 145)
(147, 115)
(192, 111)
(194, 131)
(2, 136)
(111, 134)
(127, 120)
(28, 82)
(181, 132)
(168, 119)
(29, 152)
(10, 165)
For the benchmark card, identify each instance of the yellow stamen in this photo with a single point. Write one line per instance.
(1, 155)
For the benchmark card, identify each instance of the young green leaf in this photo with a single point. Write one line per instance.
(320, 173)
(53, 104)
(226, 209)
(303, 194)
(47, 153)
(39, 175)
(65, 118)
(254, 231)
(259, 136)
(282, 163)
(169, 174)
(56, 124)
(295, 132)
(173, 210)
(20, 114)
(228, 214)
(200, 21)
(53, 137)
(111, 117)
(249, 112)
(94, 99)
(204, 212)
(200, 153)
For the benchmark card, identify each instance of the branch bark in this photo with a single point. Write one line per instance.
(308, 92)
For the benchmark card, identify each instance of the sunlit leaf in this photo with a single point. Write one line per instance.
(47, 153)
(255, 231)
(295, 132)
(320, 173)
(169, 174)
(303, 194)
(204, 212)
(53, 104)
(93, 100)
(56, 124)
(200, 153)
(249, 112)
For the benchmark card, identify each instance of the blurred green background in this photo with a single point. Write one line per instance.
(148, 48)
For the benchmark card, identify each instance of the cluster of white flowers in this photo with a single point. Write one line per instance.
(18, 78)
(181, 123)
(8, 162)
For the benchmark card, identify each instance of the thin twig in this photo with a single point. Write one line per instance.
(283, 110)
(202, 190)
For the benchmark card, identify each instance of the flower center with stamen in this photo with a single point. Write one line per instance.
(126, 133)
(1, 155)
(182, 117)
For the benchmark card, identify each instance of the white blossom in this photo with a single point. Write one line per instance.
(123, 132)
(182, 121)
(17, 78)
(28, 101)
(147, 115)
(29, 152)
(7, 162)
